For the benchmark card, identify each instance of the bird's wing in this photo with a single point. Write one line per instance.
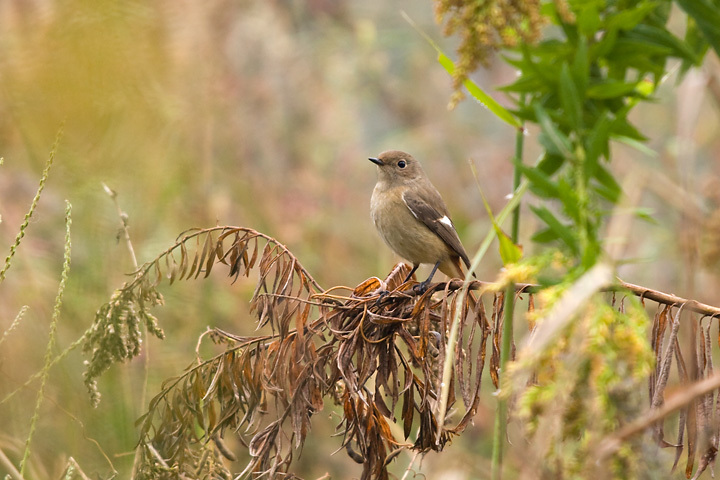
(438, 222)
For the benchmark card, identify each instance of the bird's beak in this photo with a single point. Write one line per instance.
(376, 161)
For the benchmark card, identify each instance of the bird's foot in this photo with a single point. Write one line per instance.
(421, 288)
(381, 297)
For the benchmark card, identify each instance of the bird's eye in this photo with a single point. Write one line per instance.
(401, 164)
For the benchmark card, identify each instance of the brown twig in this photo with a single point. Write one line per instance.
(640, 291)
(124, 222)
(675, 402)
(670, 299)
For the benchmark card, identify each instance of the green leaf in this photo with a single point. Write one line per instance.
(548, 10)
(528, 82)
(540, 183)
(696, 40)
(645, 213)
(563, 232)
(605, 45)
(509, 251)
(546, 235)
(609, 195)
(637, 145)
(570, 98)
(622, 128)
(627, 19)
(629, 50)
(650, 35)
(707, 15)
(611, 188)
(660, 14)
(552, 139)
(588, 20)
(569, 199)
(550, 164)
(581, 66)
(501, 112)
(486, 100)
(540, 58)
(597, 143)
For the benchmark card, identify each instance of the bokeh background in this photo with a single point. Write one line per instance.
(262, 114)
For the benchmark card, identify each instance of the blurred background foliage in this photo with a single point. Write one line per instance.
(262, 114)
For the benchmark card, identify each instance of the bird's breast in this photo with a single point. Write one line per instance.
(402, 232)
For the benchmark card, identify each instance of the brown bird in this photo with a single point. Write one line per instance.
(412, 218)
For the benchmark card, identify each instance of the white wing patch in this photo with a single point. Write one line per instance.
(408, 206)
(446, 221)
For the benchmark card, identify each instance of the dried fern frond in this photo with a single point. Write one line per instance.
(377, 355)
(115, 334)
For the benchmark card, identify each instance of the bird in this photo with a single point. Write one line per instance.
(412, 218)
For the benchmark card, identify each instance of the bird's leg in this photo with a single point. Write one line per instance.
(384, 293)
(422, 287)
(381, 297)
(415, 267)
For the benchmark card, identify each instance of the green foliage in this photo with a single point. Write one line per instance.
(703, 28)
(479, 94)
(475, 90)
(510, 252)
(580, 86)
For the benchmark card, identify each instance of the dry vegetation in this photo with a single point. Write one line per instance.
(262, 114)
(379, 357)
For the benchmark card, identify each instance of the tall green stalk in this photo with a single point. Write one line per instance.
(500, 431)
(51, 340)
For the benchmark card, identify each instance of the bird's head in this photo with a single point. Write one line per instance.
(395, 167)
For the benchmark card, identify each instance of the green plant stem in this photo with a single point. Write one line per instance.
(517, 175)
(452, 337)
(500, 431)
(581, 183)
(33, 206)
(51, 340)
(15, 323)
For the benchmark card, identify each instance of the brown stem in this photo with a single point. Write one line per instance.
(670, 299)
(642, 292)
(673, 403)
